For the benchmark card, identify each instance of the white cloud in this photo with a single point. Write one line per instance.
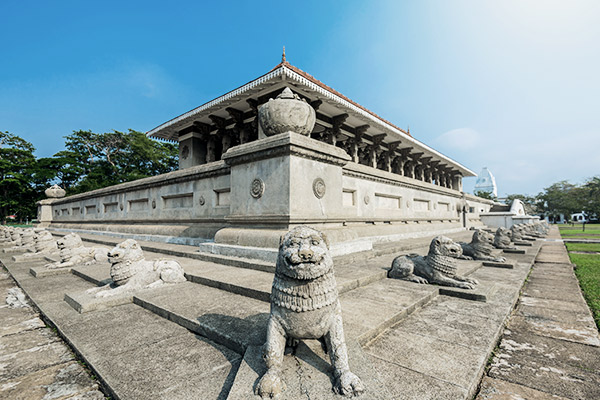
(459, 139)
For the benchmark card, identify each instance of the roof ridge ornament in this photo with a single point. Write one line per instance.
(283, 55)
(287, 94)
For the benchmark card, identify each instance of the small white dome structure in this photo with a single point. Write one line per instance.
(486, 182)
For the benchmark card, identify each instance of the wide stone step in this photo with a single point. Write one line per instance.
(229, 319)
(370, 310)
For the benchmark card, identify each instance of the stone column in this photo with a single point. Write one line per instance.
(44, 214)
(192, 149)
(388, 156)
(457, 182)
(211, 149)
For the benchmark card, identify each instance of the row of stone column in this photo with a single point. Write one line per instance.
(199, 146)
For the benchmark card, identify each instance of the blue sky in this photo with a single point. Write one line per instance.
(512, 85)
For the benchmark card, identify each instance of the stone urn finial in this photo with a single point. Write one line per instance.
(286, 113)
(55, 192)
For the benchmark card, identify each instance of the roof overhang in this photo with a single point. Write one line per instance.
(332, 104)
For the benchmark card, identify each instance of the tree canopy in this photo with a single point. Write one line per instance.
(89, 161)
(564, 198)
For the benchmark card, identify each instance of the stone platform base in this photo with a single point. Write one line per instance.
(40, 272)
(514, 251)
(83, 302)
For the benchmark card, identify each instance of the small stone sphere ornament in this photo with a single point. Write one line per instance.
(287, 112)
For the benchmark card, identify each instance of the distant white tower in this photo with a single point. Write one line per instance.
(486, 182)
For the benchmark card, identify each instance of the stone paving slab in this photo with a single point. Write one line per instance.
(307, 374)
(553, 258)
(496, 389)
(62, 381)
(517, 343)
(576, 305)
(30, 351)
(545, 375)
(34, 363)
(583, 332)
(461, 329)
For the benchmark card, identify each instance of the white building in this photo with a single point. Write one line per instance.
(486, 182)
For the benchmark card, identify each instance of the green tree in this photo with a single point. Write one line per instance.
(485, 195)
(589, 197)
(92, 161)
(562, 198)
(17, 183)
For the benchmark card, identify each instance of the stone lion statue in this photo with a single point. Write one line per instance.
(5, 232)
(130, 271)
(305, 305)
(520, 233)
(72, 252)
(533, 230)
(44, 245)
(480, 247)
(502, 239)
(438, 266)
(22, 240)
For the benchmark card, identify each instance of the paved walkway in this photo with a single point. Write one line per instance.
(34, 362)
(550, 348)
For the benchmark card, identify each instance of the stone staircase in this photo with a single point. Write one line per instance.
(224, 306)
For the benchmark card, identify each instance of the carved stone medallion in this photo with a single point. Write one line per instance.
(367, 199)
(319, 188)
(201, 200)
(257, 188)
(153, 203)
(185, 152)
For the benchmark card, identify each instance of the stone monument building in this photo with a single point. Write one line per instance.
(242, 183)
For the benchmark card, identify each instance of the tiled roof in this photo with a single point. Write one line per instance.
(324, 86)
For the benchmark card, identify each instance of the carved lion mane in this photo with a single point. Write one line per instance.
(126, 258)
(304, 269)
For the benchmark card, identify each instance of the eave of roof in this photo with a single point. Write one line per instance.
(285, 68)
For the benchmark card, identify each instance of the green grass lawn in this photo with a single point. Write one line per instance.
(591, 247)
(588, 273)
(568, 230)
(20, 225)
